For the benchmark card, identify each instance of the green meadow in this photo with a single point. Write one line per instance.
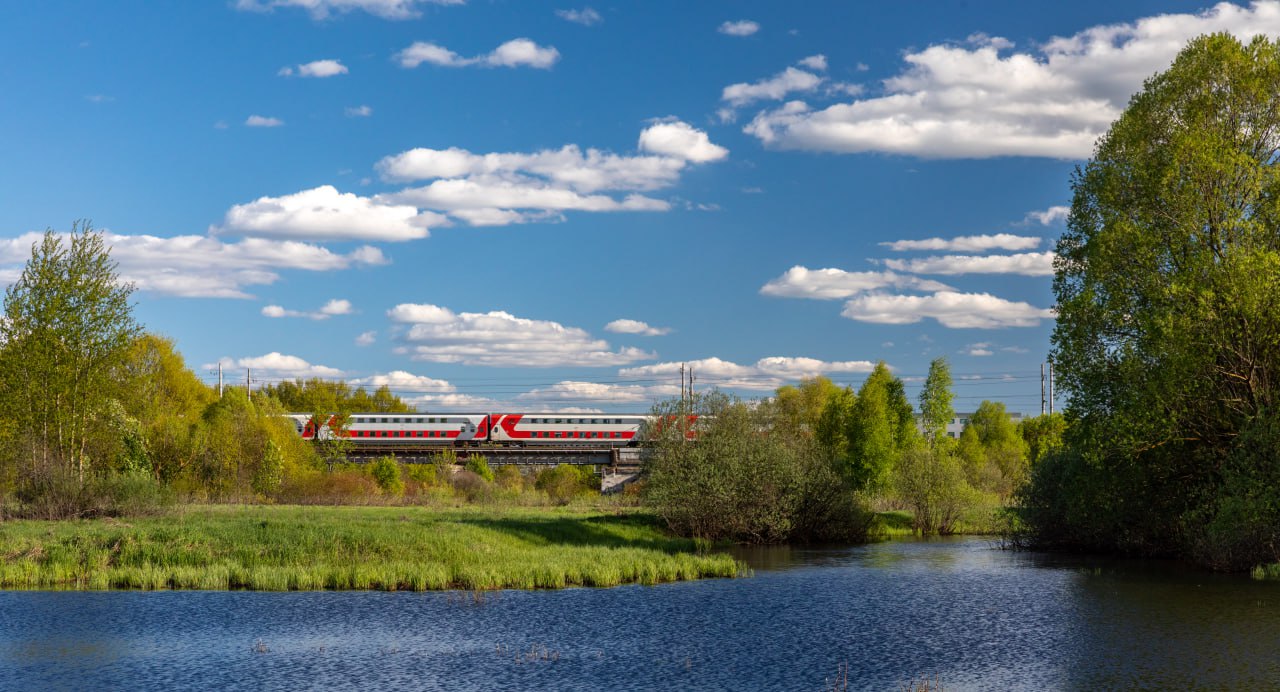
(279, 548)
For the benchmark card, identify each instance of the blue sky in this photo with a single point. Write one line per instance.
(494, 204)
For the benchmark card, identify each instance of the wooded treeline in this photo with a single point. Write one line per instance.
(814, 461)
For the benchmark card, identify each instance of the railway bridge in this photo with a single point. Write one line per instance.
(617, 465)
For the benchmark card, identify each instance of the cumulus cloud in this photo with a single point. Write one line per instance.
(833, 284)
(1026, 264)
(323, 9)
(366, 338)
(329, 309)
(192, 266)
(503, 188)
(741, 27)
(402, 381)
(765, 374)
(276, 365)
(815, 62)
(357, 111)
(635, 327)
(262, 121)
(789, 81)
(967, 243)
(518, 52)
(598, 392)
(315, 68)
(585, 16)
(680, 140)
(323, 213)
(978, 350)
(437, 334)
(949, 308)
(982, 99)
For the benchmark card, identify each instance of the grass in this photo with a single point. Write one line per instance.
(1267, 572)
(279, 548)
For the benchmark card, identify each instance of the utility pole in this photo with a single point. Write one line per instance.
(1042, 389)
(1051, 388)
(219, 379)
(248, 383)
(682, 385)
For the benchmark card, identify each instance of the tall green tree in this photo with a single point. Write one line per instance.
(1167, 280)
(67, 328)
(875, 433)
(936, 410)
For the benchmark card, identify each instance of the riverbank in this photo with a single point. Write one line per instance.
(279, 548)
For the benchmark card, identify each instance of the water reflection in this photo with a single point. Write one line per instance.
(975, 616)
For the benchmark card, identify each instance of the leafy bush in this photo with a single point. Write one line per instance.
(471, 485)
(386, 473)
(561, 483)
(60, 495)
(509, 477)
(478, 465)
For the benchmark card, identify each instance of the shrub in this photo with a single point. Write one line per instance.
(471, 485)
(561, 483)
(61, 495)
(478, 465)
(386, 473)
(509, 477)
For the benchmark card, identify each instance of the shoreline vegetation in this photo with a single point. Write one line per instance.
(392, 548)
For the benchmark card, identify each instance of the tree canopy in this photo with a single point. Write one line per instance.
(1167, 281)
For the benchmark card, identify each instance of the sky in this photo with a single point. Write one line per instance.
(516, 205)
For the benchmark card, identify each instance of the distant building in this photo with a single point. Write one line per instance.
(956, 425)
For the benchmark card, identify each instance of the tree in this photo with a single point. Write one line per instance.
(1042, 434)
(873, 443)
(1167, 282)
(936, 396)
(801, 406)
(67, 327)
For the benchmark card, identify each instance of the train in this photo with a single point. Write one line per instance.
(472, 429)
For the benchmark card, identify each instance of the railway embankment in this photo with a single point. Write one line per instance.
(280, 548)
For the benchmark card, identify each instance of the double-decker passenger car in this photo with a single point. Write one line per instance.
(613, 430)
(462, 429)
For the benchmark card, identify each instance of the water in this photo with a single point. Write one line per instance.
(961, 611)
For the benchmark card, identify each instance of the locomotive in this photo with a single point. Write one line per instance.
(467, 429)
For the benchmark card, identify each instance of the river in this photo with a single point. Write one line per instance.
(958, 611)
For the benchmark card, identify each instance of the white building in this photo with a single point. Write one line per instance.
(956, 425)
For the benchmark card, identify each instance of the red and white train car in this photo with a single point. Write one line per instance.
(597, 429)
(409, 428)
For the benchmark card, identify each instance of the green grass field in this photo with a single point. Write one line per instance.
(281, 548)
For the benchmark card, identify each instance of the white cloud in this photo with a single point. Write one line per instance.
(635, 327)
(585, 16)
(832, 284)
(323, 213)
(315, 68)
(366, 338)
(357, 111)
(978, 350)
(967, 243)
(518, 52)
(202, 267)
(789, 81)
(1026, 264)
(680, 140)
(438, 334)
(599, 392)
(949, 308)
(402, 381)
(815, 62)
(766, 373)
(262, 121)
(504, 188)
(980, 99)
(329, 309)
(323, 9)
(742, 27)
(276, 365)
(1051, 215)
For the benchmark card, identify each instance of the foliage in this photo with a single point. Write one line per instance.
(801, 406)
(315, 395)
(57, 493)
(386, 473)
(477, 464)
(748, 476)
(509, 477)
(877, 430)
(932, 484)
(1002, 464)
(67, 327)
(1042, 434)
(1168, 296)
(936, 410)
(564, 482)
